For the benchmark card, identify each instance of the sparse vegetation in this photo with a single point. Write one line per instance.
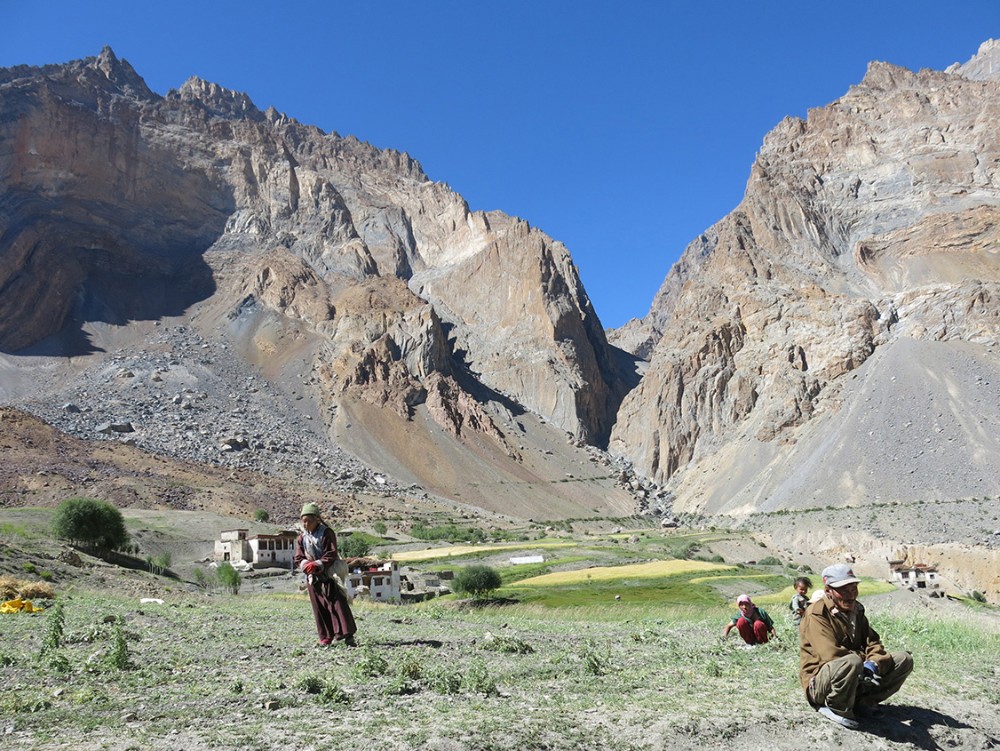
(447, 533)
(550, 668)
(228, 577)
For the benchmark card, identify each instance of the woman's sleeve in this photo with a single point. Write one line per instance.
(329, 547)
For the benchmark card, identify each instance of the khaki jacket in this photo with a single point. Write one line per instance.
(823, 637)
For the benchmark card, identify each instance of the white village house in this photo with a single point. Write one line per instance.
(269, 551)
(916, 576)
(381, 581)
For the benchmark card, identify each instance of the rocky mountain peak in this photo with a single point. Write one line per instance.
(984, 65)
(120, 74)
(219, 100)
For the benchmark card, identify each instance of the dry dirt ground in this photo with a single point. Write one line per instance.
(43, 466)
(665, 684)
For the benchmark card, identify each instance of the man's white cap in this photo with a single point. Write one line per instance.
(839, 575)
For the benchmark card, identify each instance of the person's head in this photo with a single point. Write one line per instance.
(310, 517)
(745, 604)
(841, 586)
(803, 585)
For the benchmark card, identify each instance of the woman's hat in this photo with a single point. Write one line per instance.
(310, 509)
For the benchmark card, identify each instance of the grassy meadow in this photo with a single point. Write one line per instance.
(602, 646)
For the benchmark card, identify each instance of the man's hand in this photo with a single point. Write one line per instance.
(311, 567)
(871, 675)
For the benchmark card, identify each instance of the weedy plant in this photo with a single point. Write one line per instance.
(119, 657)
(506, 644)
(596, 661)
(55, 623)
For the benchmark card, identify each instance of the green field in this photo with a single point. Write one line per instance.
(605, 645)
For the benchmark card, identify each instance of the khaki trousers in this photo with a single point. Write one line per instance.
(838, 683)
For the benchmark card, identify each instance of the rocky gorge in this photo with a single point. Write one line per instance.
(221, 284)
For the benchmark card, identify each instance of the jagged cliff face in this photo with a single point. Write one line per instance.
(307, 250)
(862, 261)
(832, 341)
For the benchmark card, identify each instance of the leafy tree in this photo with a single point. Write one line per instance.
(355, 545)
(380, 528)
(89, 522)
(228, 577)
(477, 580)
(261, 515)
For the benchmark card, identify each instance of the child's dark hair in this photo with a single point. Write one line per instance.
(804, 580)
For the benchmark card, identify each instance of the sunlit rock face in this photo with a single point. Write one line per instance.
(863, 260)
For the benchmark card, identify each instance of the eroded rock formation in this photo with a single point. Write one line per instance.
(869, 224)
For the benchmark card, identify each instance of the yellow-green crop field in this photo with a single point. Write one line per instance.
(651, 570)
(457, 551)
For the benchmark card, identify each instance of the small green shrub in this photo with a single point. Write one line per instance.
(370, 664)
(595, 661)
(334, 694)
(479, 680)
(506, 644)
(769, 560)
(311, 684)
(444, 679)
(200, 578)
(229, 577)
(410, 667)
(29, 567)
(380, 528)
(261, 515)
(55, 623)
(119, 658)
(477, 580)
(159, 563)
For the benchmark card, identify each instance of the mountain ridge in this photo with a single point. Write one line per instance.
(197, 241)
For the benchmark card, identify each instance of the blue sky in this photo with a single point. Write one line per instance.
(623, 129)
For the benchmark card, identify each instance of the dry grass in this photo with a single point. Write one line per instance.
(10, 587)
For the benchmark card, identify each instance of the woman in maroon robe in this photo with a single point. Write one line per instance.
(315, 553)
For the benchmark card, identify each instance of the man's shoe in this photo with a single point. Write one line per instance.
(841, 719)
